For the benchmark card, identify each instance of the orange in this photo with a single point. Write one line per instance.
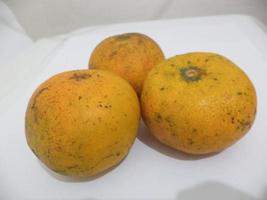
(198, 103)
(80, 123)
(130, 55)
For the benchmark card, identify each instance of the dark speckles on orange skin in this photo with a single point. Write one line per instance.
(190, 142)
(211, 103)
(80, 76)
(158, 117)
(37, 95)
(118, 154)
(192, 73)
(34, 107)
(130, 55)
(58, 148)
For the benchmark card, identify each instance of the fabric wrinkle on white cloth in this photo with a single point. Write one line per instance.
(13, 39)
(14, 42)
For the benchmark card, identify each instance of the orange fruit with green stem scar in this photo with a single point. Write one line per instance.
(198, 103)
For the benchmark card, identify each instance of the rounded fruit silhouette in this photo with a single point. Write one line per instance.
(198, 103)
(130, 55)
(80, 123)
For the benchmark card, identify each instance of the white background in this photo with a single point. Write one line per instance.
(45, 18)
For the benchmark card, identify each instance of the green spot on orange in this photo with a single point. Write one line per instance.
(192, 73)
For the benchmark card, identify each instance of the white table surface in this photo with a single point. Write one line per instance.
(151, 170)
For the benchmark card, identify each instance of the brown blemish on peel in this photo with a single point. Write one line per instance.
(169, 121)
(232, 120)
(113, 53)
(34, 103)
(36, 96)
(158, 118)
(139, 42)
(79, 77)
(190, 141)
(118, 154)
(125, 36)
(72, 166)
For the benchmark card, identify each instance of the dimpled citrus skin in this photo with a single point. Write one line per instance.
(198, 103)
(80, 123)
(131, 55)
